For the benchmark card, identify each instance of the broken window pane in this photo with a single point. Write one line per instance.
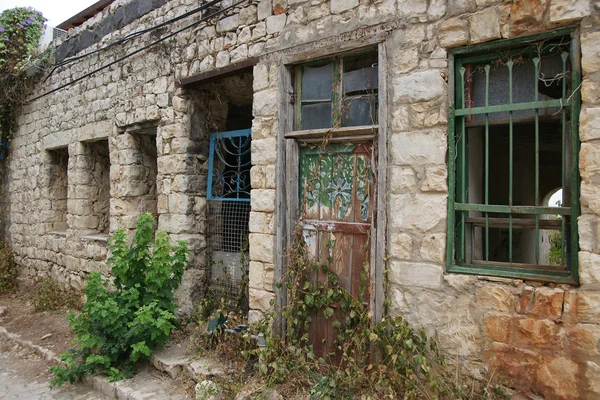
(316, 116)
(361, 80)
(359, 111)
(317, 83)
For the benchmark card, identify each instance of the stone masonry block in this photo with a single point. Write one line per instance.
(589, 268)
(433, 248)
(431, 148)
(542, 302)
(261, 222)
(410, 274)
(263, 200)
(228, 24)
(589, 123)
(339, 6)
(402, 180)
(256, 272)
(264, 151)
(418, 212)
(265, 103)
(485, 26)
(589, 162)
(453, 33)
(418, 86)
(261, 300)
(261, 247)
(568, 10)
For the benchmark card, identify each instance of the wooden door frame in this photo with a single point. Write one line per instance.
(287, 170)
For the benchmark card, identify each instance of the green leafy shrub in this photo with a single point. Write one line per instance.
(8, 271)
(118, 327)
(49, 296)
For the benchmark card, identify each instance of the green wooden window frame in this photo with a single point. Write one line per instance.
(463, 112)
(338, 97)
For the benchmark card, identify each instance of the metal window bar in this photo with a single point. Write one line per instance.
(228, 201)
(461, 221)
(229, 163)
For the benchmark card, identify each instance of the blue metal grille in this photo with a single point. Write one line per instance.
(229, 166)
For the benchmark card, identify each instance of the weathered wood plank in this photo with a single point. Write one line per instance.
(331, 133)
(285, 113)
(378, 235)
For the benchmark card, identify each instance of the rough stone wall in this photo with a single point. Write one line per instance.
(545, 337)
(134, 173)
(57, 164)
(89, 189)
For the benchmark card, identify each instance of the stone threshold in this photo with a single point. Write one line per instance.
(135, 388)
(96, 238)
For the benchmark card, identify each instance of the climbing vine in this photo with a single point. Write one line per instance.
(20, 32)
(388, 359)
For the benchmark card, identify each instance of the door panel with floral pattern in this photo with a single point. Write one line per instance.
(336, 199)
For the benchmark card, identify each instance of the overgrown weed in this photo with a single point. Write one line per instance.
(388, 359)
(384, 360)
(50, 297)
(8, 270)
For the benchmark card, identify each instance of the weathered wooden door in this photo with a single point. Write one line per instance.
(335, 198)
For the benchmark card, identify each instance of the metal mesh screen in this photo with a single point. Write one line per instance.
(228, 246)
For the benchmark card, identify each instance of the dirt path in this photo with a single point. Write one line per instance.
(24, 375)
(48, 329)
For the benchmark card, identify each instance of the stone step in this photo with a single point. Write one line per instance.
(177, 359)
(147, 384)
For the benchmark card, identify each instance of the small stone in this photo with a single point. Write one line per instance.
(276, 23)
(228, 24)
(3, 311)
(264, 9)
(46, 336)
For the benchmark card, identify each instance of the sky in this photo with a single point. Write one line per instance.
(56, 11)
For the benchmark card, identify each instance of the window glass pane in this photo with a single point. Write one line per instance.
(361, 80)
(316, 116)
(357, 111)
(317, 82)
(549, 84)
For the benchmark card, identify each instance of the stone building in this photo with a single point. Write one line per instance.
(421, 139)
